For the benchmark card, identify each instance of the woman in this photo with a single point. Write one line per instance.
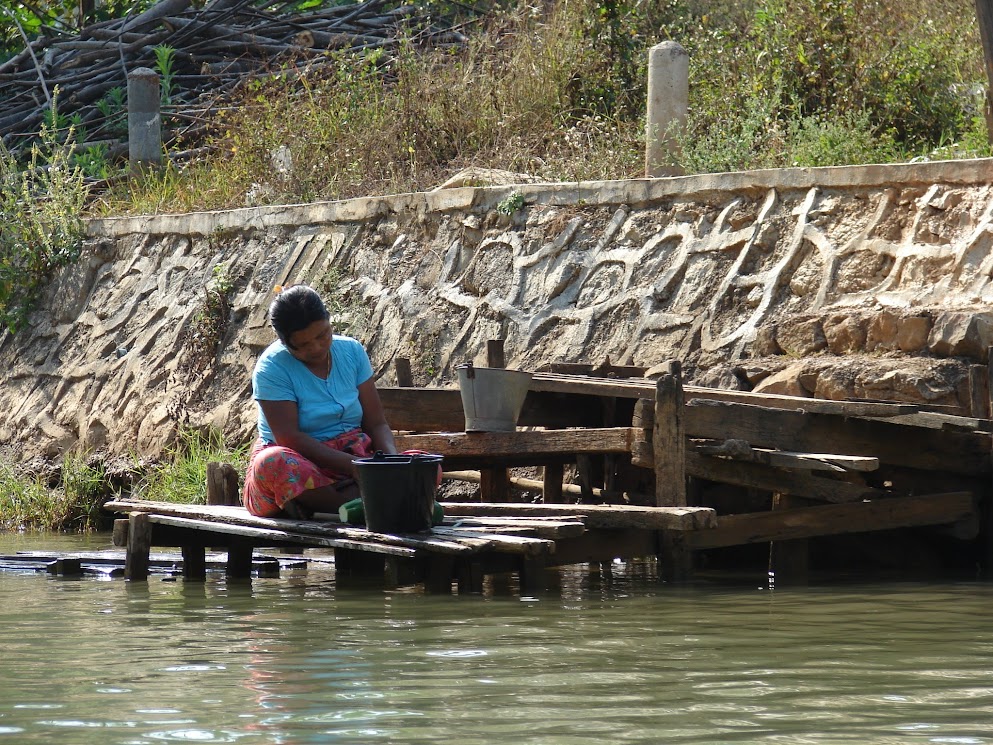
(319, 411)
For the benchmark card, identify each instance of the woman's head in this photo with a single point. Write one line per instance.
(295, 309)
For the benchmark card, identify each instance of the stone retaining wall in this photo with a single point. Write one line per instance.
(856, 281)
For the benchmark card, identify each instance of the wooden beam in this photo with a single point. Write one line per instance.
(534, 444)
(597, 515)
(741, 451)
(855, 517)
(894, 444)
(139, 547)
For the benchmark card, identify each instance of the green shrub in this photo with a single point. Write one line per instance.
(72, 504)
(182, 476)
(41, 228)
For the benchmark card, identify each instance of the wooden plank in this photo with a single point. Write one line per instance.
(775, 480)
(534, 445)
(596, 515)
(741, 451)
(211, 531)
(956, 452)
(540, 527)
(855, 517)
(440, 410)
(552, 383)
(504, 543)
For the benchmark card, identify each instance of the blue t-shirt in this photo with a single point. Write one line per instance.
(326, 408)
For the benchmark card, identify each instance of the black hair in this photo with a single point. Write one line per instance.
(294, 309)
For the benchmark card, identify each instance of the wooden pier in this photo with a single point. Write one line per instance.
(663, 470)
(469, 545)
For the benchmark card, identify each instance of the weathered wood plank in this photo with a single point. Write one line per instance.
(596, 515)
(894, 444)
(631, 388)
(758, 476)
(855, 517)
(207, 527)
(533, 444)
(741, 451)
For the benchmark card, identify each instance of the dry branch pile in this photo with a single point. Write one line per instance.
(215, 49)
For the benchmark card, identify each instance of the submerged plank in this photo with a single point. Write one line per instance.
(855, 517)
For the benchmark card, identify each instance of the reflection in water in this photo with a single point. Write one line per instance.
(609, 656)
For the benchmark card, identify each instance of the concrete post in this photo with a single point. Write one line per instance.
(668, 100)
(144, 120)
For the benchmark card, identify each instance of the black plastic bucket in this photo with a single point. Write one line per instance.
(398, 491)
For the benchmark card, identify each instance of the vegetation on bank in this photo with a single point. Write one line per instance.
(557, 90)
(69, 497)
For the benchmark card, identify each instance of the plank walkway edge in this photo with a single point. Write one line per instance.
(835, 519)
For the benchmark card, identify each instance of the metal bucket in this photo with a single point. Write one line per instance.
(492, 397)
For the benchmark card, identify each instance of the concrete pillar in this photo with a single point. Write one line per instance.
(144, 119)
(668, 99)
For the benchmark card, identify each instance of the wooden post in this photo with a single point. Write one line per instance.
(222, 484)
(194, 563)
(239, 564)
(789, 561)
(669, 439)
(139, 547)
(120, 534)
(66, 567)
(551, 484)
(494, 353)
(405, 376)
(532, 574)
(494, 483)
(979, 391)
(669, 451)
(984, 17)
(470, 576)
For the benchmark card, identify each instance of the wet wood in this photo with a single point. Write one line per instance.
(139, 547)
(856, 517)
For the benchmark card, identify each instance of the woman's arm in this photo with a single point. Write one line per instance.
(374, 421)
(283, 420)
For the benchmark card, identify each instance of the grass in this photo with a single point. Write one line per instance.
(181, 475)
(72, 504)
(557, 90)
(71, 498)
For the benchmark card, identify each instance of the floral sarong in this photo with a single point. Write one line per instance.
(277, 475)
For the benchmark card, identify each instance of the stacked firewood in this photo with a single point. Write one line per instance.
(213, 51)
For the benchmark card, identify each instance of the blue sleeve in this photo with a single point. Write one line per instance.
(272, 381)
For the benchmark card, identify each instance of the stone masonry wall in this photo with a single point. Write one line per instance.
(869, 282)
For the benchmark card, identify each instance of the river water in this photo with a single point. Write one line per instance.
(605, 657)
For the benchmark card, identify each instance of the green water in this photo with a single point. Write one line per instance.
(614, 658)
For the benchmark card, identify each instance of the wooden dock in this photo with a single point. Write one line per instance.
(468, 546)
(663, 469)
(776, 469)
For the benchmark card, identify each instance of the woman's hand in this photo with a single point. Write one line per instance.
(374, 421)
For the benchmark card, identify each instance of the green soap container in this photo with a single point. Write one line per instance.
(352, 513)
